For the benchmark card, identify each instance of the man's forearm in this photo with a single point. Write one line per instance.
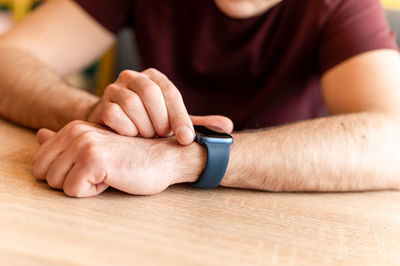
(339, 153)
(34, 95)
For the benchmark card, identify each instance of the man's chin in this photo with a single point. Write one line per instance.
(242, 9)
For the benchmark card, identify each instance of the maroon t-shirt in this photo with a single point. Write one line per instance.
(260, 71)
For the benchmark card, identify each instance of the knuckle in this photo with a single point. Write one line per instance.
(74, 123)
(110, 89)
(92, 154)
(148, 133)
(170, 91)
(152, 71)
(76, 187)
(109, 114)
(180, 117)
(37, 171)
(131, 102)
(86, 139)
(127, 74)
(163, 131)
(53, 183)
(101, 177)
(110, 108)
(162, 127)
(74, 192)
(75, 128)
(149, 91)
(129, 130)
(69, 193)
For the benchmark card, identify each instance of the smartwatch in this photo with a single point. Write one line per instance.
(218, 147)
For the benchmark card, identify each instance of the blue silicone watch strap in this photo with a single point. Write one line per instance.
(217, 163)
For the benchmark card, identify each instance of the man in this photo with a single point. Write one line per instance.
(262, 63)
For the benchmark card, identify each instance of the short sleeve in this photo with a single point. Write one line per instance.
(112, 14)
(353, 27)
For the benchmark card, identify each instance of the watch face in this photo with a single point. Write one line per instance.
(206, 132)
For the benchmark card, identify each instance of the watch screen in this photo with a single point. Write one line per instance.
(206, 132)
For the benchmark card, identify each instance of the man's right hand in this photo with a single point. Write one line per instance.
(147, 104)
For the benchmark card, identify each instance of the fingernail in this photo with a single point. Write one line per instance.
(185, 135)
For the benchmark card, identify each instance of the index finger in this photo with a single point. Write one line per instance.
(179, 118)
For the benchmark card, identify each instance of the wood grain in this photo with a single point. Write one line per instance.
(185, 226)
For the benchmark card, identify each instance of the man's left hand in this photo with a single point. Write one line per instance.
(84, 159)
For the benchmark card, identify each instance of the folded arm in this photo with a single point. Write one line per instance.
(34, 56)
(356, 148)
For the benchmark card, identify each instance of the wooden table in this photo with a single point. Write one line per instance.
(186, 226)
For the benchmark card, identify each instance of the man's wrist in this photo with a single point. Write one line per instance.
(190, 161)
(75, 106)
(235, 163)
(87, 107)
(88, 113)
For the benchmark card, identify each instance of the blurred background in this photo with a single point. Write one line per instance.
(121, 57)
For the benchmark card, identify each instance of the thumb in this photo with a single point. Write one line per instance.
(43, 135)
(217, 123)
